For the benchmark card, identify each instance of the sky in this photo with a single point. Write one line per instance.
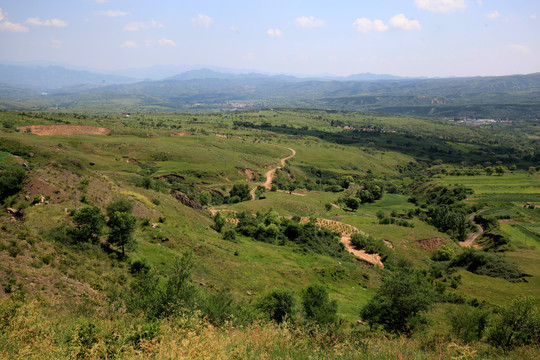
(341, 37)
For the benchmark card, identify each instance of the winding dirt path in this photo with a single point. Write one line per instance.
(468, 242)
(346, 232)
(270, 174)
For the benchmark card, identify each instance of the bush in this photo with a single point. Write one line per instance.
(399, 302)
(468, 323)
(517, 324)
(317, 305)
(11, 181)
(89, 222)
(122, 205)
(494, 265)
(278, 305)
(444, 253)
(241, 191)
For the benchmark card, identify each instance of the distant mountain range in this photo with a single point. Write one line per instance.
(208, 89)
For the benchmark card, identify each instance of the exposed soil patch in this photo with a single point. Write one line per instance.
(430, 244)
(64, 129)
(508, 221)
(180, 134)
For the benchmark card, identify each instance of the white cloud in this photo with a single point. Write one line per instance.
(1, 15)
(136, 26)
(440, 6)
(520, 48)
(533, 16)
(129, 45)
(12, 27)
(202, 20)
(166, 42)
(305, 21)
(479, 2)
(401, 22)
(113, 13)
(365, 25)
(249, 57)
(274, 33)
(57, 44)
(493, 15)
(52, 22)
(102, 1)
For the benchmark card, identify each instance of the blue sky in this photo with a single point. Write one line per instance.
(400, 37)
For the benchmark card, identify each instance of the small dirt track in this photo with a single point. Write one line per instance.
(272, 172)
(469, 241)
(64, 129)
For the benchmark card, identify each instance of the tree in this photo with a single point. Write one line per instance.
(240, 190)
(517, 324)
(219, 222)
(317, 305)
(278, 305)
(89, 222)
(121, 226)
(120, 205)
(352, 202)
(499, 170)
(488, 170)
(468, 323)
(398, 303)
(11, 181)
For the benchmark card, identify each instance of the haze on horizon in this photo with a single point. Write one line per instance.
(400, 37)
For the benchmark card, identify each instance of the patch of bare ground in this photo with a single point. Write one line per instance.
(508, 221)
(180, 134)
(64, 129)
(430, 244)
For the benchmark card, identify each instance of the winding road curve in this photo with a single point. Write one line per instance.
(270, 174)
(468, 242)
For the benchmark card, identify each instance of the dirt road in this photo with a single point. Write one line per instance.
(272, 172)
(468, 242)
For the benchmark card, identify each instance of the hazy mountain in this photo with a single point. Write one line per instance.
(54, 77)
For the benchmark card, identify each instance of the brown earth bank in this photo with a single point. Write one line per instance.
(64, 129)
(430, 244)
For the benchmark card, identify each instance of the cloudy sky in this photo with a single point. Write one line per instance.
(342, 37)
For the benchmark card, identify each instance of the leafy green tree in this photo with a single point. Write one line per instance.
(240, 190)
(219, 222)
(278, 305)
(121, 227)
(352, 202)
(89, 222)
(488, 170)
(399, 302)
(499, 170)
(317, 305)
(11, 181)
(120, 205)
(517, 324)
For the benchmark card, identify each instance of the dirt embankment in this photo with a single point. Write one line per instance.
(64, 129)
(270, 174)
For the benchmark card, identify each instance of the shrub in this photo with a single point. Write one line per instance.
(517, 324)
(278, 305)
(482, 263)
(89, 222)
(317, 305)
(399, 302)
(444, 253)
(122, 204)
(11, 181)
(468, 323)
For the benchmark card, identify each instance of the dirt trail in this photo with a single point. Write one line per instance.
(271, 173)
(346, 232)
(468, 242)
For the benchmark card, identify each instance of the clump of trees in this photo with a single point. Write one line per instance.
(90, 222)
(269, 227)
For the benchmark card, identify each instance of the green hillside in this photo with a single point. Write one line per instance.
(185, 235)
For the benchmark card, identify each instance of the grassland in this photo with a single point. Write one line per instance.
(40, 273)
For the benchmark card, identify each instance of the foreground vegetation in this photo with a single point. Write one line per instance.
(162, 240)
